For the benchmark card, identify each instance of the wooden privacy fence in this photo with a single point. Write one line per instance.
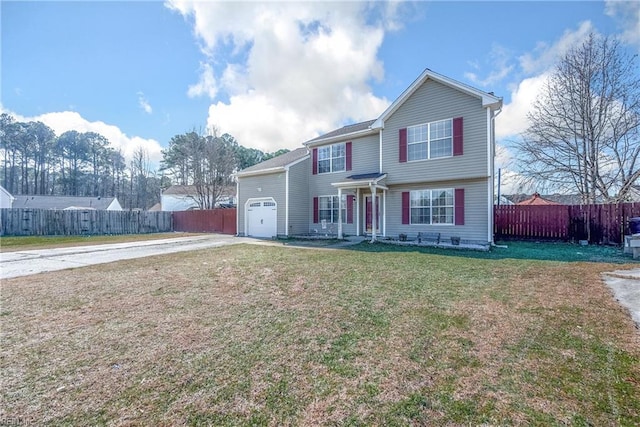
(207, 221)
(42, 222)
(607, 223)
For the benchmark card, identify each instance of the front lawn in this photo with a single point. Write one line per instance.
(258, 335)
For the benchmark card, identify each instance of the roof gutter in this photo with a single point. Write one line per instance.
(364, 132)
(259, 172)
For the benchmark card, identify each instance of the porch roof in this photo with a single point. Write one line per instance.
(365, 180)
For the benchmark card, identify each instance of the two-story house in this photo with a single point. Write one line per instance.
(424, 166)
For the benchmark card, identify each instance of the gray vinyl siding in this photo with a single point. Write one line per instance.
(365, 158)
(431, 102)
(272, 185)
(299, 198)
(476, 218)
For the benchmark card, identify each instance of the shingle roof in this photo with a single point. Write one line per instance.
(537, 200)
(344, 130)
(366, 176)
(62, 202)
(278, 162)
(180, 190)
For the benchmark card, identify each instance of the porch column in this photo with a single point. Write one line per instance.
(339, 213)
(357, 211)
(374, 222)
(384, 213)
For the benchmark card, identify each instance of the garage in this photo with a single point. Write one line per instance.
(261, 216)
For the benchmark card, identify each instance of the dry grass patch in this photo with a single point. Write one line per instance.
(23, 243)
(251, 335)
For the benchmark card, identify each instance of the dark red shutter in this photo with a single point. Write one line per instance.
(316, 214)
(350, 200)
(315, 162)
(457, 136)
(406, 209)
(348, 155)
(403, 145)
(459, 206)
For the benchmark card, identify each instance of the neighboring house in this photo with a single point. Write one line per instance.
(185, 198)
(537, 200)
(67, 202)
(558, 199)
(425, 165)
(503, 201)
(155, 208)
(6, 199)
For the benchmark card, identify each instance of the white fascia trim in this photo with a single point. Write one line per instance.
(362, 183)
(260, 172)
(359, 184)
(340, 138)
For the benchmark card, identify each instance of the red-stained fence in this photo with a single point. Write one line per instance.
(206, 221)
(608, 223)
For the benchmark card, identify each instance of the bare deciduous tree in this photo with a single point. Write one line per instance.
(212, 169)
(584, 132)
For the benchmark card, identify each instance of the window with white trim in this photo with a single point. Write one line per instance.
(331, 158)
(432, 206)
(430, 140)
(328, 208)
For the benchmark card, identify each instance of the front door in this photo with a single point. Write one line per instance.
(369, 217)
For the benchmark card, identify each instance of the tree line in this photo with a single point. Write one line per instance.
(36, 161)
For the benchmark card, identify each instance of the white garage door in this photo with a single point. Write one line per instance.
(261, 218)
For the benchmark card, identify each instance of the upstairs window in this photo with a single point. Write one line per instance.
(332, 158)
(430, 140)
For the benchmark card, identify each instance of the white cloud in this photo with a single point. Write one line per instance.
(538, 65)
(628, 14)
(513, 119)
(295, 69)
(64, 121)
(545, 56)
(144, 104)
(206, 85)
(499, 58)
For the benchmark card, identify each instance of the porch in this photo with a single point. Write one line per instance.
(369, 192)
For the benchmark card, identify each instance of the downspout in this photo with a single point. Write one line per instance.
(380, 148)
(237, 207)
(491, 158)
(286, 201)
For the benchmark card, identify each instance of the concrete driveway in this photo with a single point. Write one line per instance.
(625, 285)
(24, 263)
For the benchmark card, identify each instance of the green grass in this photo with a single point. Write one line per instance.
(15, 243)
(256, 335)
(542, 251)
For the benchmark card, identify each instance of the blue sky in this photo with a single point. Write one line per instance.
(275, 74)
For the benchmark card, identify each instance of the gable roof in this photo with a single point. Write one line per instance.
(372, 126)
(4, 190)
(488, 99)
(63, 202)
(537, 200)
(276, 164)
